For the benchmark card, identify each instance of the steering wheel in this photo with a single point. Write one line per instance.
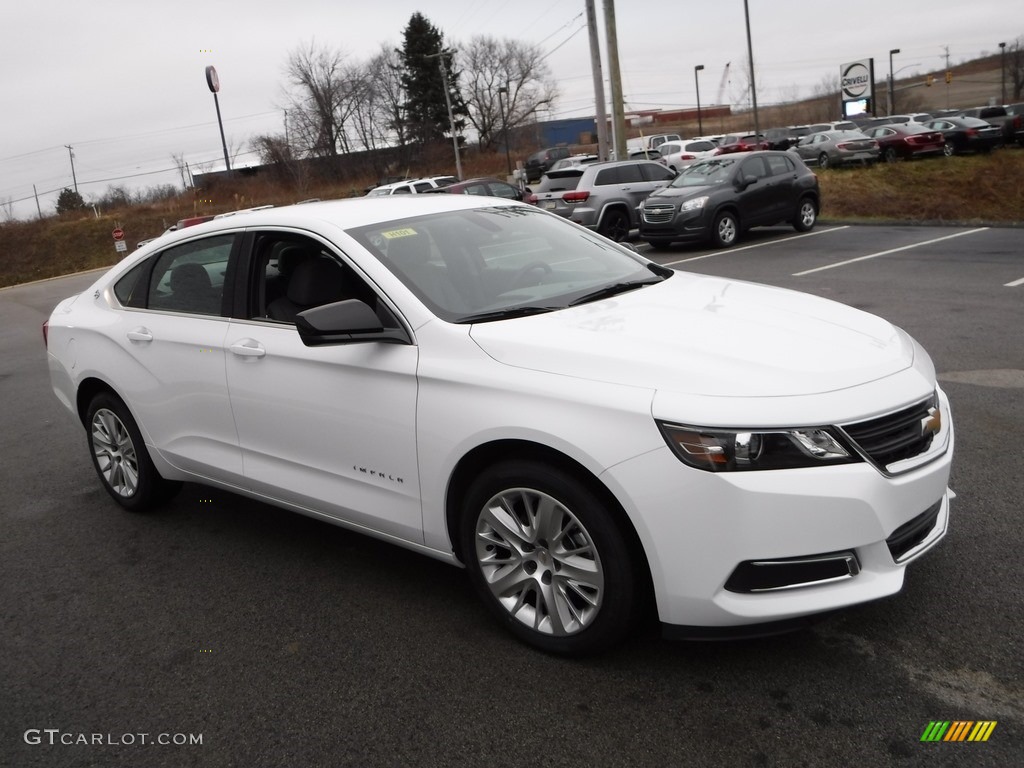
(520, 277)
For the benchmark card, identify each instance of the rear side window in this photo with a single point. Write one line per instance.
(125, 288)
(656, 172)
(190, 278)
(621, 174)
(780, 164)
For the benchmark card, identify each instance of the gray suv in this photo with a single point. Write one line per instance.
(605, 196)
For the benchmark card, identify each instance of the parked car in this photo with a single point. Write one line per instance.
(906, 140)
(782, 139)
(741, 142)
(572, 161)
(1008, 119)
(967, 134)
(676, 155)
(719, 198)
(538, 163)
(485, 186)
(653, 141)
(605, 196)
(834, 148)
(586, 431)
(412, 187)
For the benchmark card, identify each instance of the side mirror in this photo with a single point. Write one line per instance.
(344, 322)
(745, 181)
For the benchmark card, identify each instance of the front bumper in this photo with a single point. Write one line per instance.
(698, 529)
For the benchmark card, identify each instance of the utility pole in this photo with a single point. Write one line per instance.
(36, 193)
(618, 110)
(448, 102)
(946, 48)
(73, 178)
(1002, 69)
(601, 114)
(753, 82)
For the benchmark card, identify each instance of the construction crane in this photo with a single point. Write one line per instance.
(724, 82)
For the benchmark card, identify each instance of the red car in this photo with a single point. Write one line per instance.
(907, 140)
(741, 142)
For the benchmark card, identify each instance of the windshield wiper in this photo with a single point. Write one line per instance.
(613, 290)
(505, 314)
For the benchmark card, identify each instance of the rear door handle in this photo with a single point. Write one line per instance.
(248, 348)
(140, 334)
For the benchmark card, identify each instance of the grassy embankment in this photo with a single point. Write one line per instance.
(987, 189)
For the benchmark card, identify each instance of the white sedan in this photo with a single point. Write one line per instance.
(587, 432)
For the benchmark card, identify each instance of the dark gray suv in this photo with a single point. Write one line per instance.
(605, 196)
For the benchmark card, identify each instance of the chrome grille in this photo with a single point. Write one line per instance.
(660, 214)
(896, 436)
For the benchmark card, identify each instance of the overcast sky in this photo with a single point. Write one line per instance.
(123, 82)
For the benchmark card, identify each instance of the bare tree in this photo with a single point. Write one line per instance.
(323, 99)
(7, 210)
(489, 64)
(182, 166)
(378, 115)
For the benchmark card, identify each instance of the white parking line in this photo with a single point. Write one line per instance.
(1014, 284)
(755, 245)
(886, 253)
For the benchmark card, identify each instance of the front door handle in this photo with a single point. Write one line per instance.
(140, 334)
(248, 348)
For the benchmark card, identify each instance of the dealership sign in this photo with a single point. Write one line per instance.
(857, 82)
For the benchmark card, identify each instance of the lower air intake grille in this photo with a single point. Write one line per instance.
(913, 532)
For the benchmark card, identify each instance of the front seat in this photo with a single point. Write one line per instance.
(192, 291)
(314, 282)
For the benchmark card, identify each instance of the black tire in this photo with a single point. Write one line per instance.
(806, 215)
(890, 155)
(120, 457)
(725, 230)
(542, 604)
(823, 160)
(614, 225)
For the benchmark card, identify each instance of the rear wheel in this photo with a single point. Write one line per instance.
(823, 160)
(120, 456)
(807, 215)
(725, 230)
(546, 556)
(615, 226)
(948, 149)
(890, 155)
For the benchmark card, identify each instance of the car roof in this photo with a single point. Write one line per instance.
(338, 214)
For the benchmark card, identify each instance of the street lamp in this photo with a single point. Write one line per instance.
(504, 126)
(892, 84)
(696, 79)
(1002, 68)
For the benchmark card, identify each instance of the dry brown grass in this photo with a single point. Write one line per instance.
(983, 189)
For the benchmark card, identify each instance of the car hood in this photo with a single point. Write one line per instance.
(706, 336)
(679, 193)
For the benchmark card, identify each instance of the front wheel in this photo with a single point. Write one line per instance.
(614, 226)
(823, 160)
(890, 155)
(948, 149)
(546, 556)
(807, 215)
(725, 230)
(120, 456)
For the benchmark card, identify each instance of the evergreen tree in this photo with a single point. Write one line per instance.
(69, 200)
(426, 109)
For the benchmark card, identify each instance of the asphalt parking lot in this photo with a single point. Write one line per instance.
(283, 641)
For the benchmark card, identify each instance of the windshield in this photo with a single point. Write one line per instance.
(505, 261)
(706, 172)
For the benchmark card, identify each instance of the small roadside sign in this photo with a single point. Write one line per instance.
(118, 234)
(120, 246)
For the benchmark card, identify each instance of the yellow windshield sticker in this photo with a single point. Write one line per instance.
(392, 234)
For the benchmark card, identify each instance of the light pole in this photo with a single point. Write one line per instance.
(753, 82)
(696, 79)
(504, 126)
(448, 102)
(1002, 70)
(892, 84)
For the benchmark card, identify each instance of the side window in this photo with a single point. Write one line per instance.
(423, 186)
(190, 277)
(507, 191)
(475, 189)
(607, 176)
(754, 166)
(779, 164)
(656, 172)
(402, 191)
(128, 289)
(293, 273)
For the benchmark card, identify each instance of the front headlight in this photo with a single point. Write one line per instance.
(694, 204)
(735, 450)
